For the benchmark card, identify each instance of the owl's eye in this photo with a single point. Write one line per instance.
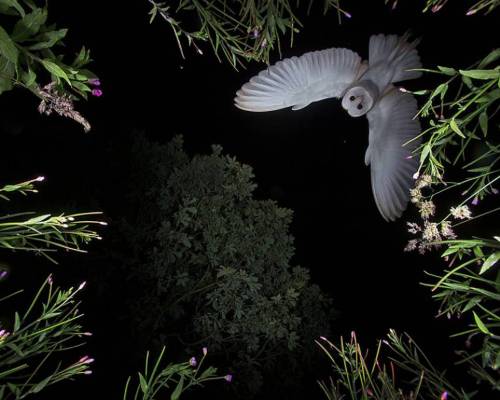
(360, 106)
(352, 98)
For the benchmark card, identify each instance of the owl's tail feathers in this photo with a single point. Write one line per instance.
(399, 52)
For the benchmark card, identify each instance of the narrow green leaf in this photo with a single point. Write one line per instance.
(450, 250)
(447, 70)
(489, 262)
(40, 385)
(483, 122)
(481, 73)
(425, 153)
(56, 70)
(8, 47)
(471, 303)
(178, 390)
(144, 384)
(478, 252)
(455, 128)
(17, 322)
(482, 327)
(492, 57)
(38, 219)
(468, 82)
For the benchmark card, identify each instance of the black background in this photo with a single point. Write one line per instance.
(310, 161)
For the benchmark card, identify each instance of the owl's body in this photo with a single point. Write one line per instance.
(366, 89)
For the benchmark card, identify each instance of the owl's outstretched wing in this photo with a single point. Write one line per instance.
(298, 81)
(392, 164)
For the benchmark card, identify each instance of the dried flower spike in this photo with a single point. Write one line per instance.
(62, 104)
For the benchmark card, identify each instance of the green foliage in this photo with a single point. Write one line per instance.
(155, 378)
(239, 31)
(31, 344)
(29, 58)
(462, 141)
(213, 263)
(44, 234)
(471, 290)
(405, 373)
(460, 110)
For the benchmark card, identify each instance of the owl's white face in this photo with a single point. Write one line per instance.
(357, 101)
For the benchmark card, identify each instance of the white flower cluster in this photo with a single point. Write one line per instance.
(430, 233)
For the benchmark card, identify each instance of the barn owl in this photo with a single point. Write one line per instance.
(366, 88)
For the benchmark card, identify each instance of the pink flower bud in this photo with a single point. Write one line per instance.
(96, 92)
(95, 82)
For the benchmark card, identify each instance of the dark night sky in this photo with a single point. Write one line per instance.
(310, 160)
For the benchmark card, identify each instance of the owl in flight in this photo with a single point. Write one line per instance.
(366, 87)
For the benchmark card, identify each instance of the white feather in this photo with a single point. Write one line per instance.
(391, 125)
(396, 54)
(298, 81)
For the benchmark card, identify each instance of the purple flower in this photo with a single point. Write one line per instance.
(96, 92)
(228, 377)
(444, 396)
(193, 362)
(95, 82)
(475, 201)
(3, 274)
(50, 280)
